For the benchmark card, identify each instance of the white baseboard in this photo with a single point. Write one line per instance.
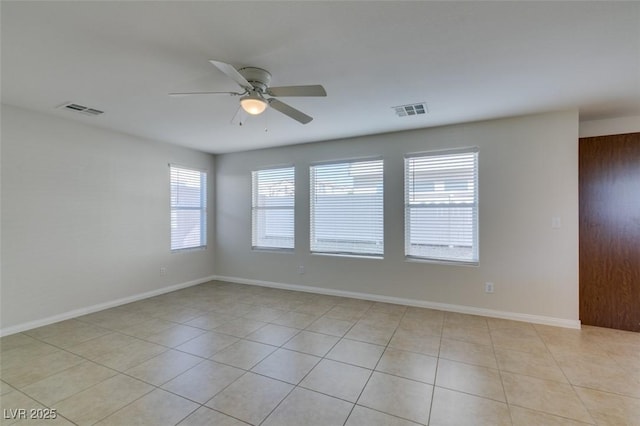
(536, 319)
(515, 316)
(99, 307)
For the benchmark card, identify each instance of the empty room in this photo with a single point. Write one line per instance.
(349, 213)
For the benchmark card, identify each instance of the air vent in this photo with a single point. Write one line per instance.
(81, 109)
(410, 109)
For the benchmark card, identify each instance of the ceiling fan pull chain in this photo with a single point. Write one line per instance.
(255, 85)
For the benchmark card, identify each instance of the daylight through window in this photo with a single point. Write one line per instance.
(441, 206)
(347, 208)
(188, 208)
(272, 209)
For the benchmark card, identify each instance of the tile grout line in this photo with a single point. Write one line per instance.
(573, 388)
(34, 399)
(504, 392)
(118, 372)
(373, 370)
(262, 359)
(120, 332)
(370, 374)
(200, 405)
(321, 358)
(291, 305)
(435, 374)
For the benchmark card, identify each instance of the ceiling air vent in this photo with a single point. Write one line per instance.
(81, 109)
(410, 109)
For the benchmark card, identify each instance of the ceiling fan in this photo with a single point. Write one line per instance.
(255, 84)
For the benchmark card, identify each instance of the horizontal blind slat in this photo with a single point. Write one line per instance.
(188, 208)
(441, 206)
(273, 208)
(347, 208)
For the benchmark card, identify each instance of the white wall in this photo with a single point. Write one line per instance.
(610, 126)
(85, 218)
(528, 174)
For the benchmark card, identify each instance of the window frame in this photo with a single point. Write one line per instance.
(312, 194)
(255, 208)
(202, 208)
(474, 204)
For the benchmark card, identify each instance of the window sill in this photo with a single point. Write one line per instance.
(356, 256)
(440, 261)
(273, 250)
(188, 249)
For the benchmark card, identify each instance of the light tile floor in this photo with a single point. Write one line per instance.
(228, 354)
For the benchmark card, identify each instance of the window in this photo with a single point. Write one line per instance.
(272, 208)
(441, 206)
(188, 208)
(347, 208)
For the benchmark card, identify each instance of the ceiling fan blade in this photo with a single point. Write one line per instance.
(290, 111)
(204, 93)
(233, 73)
(314, 90)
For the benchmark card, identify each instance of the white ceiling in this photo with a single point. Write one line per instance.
(467, 60)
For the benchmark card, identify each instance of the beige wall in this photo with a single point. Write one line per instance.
(528, 174)
(85, 218)
(610, 126)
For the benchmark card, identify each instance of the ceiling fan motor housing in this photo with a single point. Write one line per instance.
(258, 77)
(255, 85)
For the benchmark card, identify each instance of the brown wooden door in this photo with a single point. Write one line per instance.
(609, 182)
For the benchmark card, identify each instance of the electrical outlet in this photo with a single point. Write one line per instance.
(301, 269)
(163, 271)
(488, 287)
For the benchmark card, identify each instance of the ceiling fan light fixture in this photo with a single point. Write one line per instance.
(255, 85)
(253, 104)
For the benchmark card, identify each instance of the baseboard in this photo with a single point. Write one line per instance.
(515, 316)
(99, 307)
(536, 319)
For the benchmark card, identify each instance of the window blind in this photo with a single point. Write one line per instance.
(441, 206)
(188, 208)
(347, 208)
(272, 210)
